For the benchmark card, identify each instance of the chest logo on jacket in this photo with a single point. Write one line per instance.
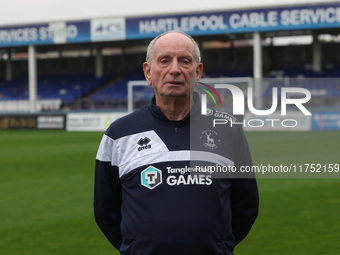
(210, 139)
(144, 143)
(151, 177)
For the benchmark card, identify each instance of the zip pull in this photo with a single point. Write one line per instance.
(176, 139)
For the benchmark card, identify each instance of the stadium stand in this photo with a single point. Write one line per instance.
(68, 87)
(218, 73)
(85, 91)
(115, 92)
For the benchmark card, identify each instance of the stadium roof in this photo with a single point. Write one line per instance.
(17, 12)
(224, 21)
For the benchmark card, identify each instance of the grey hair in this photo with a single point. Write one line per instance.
(149, 52)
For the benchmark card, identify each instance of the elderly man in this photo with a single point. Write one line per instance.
(152, 195)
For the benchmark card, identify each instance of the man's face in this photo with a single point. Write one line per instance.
(173, 66)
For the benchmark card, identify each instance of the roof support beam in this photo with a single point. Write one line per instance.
(32, 78)
(257, 53)
(258, 69)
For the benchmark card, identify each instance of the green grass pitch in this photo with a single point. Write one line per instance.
(46, 187)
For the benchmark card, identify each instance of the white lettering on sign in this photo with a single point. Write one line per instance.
(58, 32)
(310, 16)
(254, 19)
(19, 35)
(203, 23)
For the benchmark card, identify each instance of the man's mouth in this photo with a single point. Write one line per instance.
(175, 82)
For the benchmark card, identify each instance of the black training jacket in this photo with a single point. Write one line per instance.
(164, 188)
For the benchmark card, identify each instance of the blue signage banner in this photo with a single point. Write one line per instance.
(270, 19)
(49, 33)
(326, 121)
(198, 24)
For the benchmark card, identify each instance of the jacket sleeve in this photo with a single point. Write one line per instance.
(244, 195)
(107, 193)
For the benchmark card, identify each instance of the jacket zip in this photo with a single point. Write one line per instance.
(176, 139)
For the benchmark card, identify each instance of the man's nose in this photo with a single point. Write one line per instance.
(175, 68)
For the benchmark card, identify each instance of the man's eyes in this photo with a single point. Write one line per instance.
(182, 61)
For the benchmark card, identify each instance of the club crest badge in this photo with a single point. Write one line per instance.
(210, 139)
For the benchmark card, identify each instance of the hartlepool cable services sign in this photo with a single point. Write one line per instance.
(207, 23)
(270, 19)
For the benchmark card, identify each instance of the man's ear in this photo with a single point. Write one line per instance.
(147, 72)
(199, 70)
